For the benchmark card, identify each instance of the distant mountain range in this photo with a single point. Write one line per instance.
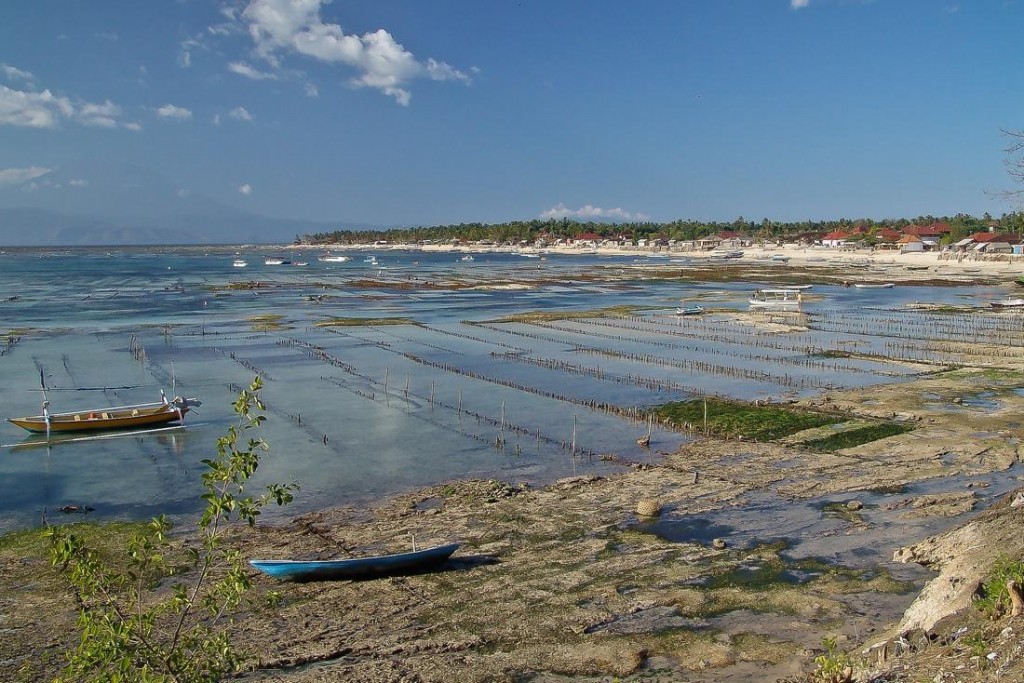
(98, 204)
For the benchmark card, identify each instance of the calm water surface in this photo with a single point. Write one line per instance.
(357, 413)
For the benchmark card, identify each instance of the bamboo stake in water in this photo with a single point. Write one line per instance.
(574, 438)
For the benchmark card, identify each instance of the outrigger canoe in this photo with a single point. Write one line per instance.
(358, 567)
(119, 417)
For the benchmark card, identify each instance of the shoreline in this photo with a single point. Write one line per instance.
(910, 265)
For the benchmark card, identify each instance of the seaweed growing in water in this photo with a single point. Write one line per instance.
(739, 419)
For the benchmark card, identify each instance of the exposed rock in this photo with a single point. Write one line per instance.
(963, 556)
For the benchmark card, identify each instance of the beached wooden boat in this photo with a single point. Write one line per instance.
(358, 567)
(119, 417)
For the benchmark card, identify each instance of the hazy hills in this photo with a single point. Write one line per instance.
(101, 204)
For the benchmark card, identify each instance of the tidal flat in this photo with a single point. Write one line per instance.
(763, 543)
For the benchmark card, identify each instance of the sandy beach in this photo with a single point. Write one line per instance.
(923, 265)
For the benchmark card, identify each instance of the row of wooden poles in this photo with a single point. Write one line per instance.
(136, 349)
(9, 344)
(705, 367)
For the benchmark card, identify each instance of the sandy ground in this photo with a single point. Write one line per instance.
(917, 264)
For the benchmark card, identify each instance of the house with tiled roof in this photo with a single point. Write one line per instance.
(836, 238)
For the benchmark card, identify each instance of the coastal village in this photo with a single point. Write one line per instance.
(910, 239)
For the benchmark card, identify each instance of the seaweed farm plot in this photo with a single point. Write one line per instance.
(384, 377)
(711, 355)
(926, 336)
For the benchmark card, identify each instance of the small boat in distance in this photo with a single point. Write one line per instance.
(467, 257)
(358, 567)
(119, 417)
(276, 261)
(239, 263)
(874, 285)
(689, 310)
(332, 258)
(1007, 303)
(786, 299)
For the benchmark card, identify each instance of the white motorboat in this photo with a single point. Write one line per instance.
(333, 258)
(239, 263)
(776, 298)
(1007, 303)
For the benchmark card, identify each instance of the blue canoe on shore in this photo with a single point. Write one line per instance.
(358, 567)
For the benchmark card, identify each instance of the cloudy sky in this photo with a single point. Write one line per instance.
(409, 112)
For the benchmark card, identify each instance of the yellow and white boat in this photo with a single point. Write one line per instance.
(119, 417)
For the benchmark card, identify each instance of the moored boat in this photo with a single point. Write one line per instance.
(1007, 303)
(118, 417)
(239, 263)
(874, 285)
(332, 258)
(776, 298)
(689, 310)
(276, 261)
(358, 567)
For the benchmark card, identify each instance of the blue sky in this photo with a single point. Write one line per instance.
(417, 113)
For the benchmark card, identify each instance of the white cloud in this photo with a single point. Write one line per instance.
(13, 176)
(170, 111)
(78, 182)
(798, 4)
(243, 69)
(245, 189)
(184, 59)
(133, 125)
(101, 115)
(240, 114)
(588, 211)
(311, 90)
(33, 109)
(296, 26)
(15, 74)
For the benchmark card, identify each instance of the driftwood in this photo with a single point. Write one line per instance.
(1016, 599)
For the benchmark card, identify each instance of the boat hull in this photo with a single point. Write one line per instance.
(98, 420)
(356, 568)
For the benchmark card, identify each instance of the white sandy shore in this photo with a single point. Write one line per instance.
(919, 264)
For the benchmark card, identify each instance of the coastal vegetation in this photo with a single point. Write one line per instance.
(531, 231)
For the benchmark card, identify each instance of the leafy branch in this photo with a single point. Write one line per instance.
(137, 628)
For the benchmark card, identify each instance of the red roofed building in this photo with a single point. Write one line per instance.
(936, 230)
(836, 238)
